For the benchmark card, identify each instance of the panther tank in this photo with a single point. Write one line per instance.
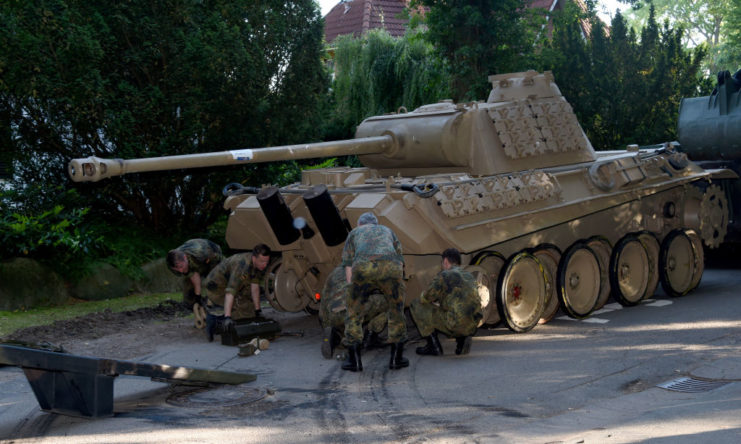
(542, 219)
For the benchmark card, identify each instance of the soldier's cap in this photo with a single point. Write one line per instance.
(367, 218)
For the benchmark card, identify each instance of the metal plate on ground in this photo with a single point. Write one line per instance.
(691, 385)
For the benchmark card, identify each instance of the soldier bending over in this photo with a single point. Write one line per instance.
(194, 260)
(235, 284)
(373, 259)
(451, 305)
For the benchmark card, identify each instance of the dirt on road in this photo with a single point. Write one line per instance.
(120, 335)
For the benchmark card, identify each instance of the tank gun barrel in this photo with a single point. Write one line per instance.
(93, 169)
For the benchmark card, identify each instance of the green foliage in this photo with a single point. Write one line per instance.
(619, 103)
(707, 22)
(728, 55)
(141, 79)
(59, 236)
(69, 238)
(377, 74)
(478, 39)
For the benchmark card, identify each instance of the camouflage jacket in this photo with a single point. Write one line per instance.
(456, 293)
(237, 272)
(203, 255)
(372, 242)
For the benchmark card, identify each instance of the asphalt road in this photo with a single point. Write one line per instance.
(590, 381)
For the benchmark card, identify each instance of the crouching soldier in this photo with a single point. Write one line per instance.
(235, 285)
(373, 262)
(450, 305)
(194, 260)
(333, 309)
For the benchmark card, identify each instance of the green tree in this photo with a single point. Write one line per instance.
(481, 38)
(148, 78)
(377, 74)
(728, 56)
(618, 102)
(704, 21)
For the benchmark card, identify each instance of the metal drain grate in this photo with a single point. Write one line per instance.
(691, 385)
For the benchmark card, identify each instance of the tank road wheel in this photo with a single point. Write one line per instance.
(678, 263)
(492, 262)
(629, 271)
(714, 216)
(549, 255)
(653, 248)
(521, 292)
(483, 285)
(700, 255)
(280, 288)
(578, 281)
(603, 249)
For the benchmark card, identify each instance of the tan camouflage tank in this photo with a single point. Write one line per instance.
(540, 217)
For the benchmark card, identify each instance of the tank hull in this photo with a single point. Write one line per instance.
(483, 217)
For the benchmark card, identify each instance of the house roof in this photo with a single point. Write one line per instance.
(359, 16)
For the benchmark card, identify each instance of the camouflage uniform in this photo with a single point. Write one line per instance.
(333, 305)
(202, 255)
(450, 305)
(235, 275)
(374, 253)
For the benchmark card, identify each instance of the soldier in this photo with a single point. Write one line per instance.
(373, 260)
(235, 284)
(194, 259)
(451, 305)
(333, 310)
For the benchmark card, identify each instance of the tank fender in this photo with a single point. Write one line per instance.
(722, 173)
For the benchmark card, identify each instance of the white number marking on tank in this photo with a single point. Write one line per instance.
(241, 154)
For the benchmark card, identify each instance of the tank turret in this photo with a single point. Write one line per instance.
(541, 218)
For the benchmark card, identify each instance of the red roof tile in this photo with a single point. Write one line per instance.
(359, 16)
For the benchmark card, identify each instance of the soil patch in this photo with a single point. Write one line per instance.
(120, 335)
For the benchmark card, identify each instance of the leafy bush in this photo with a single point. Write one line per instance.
(70, 237)
(58, 236)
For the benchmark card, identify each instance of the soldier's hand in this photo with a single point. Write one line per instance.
(227, 324)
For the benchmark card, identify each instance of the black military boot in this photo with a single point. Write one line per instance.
(463, 345)
(433, 347)
(397, 359)
(353, 362)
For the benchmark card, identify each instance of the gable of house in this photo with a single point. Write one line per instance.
(360, 16)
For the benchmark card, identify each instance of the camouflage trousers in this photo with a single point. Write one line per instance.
(243, 307)
(333, 313)
(430, 317)
(367, 277)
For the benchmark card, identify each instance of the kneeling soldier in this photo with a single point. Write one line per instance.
(450, 305)
(333, 309)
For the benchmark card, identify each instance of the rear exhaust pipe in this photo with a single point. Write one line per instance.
(278, 215)
(326, 215)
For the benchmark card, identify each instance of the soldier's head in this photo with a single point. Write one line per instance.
(260, 256)
(177, 262)
(367, 219)
(451, 258)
